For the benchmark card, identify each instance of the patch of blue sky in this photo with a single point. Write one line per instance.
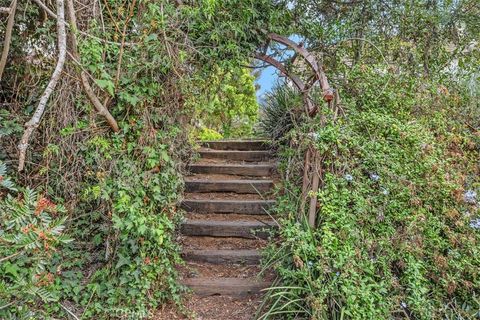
(270, 76)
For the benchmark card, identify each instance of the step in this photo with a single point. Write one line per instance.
(236, 145)
(221, 228)
(227, 206)
(236, 186)
(252, 156)
(216, 256)
(256, 170)
(225, 286)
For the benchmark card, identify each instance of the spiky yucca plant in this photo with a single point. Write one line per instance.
(278, 111)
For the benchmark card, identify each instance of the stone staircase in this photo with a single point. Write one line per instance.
(226, 200)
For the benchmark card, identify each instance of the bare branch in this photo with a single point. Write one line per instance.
(45, 8)
(31, 125)
(101, 109)
(8, 36)
(54, 16)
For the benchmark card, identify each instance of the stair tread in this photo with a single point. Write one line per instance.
(236, 155)
(232, 165)
(230, 201)
(217, 228)
(235, 186)
(226, 286)
(223, 256)
(236, 144)
(230, 181)
(240, 223)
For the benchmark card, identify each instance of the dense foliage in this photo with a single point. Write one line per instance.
(398, 217)
(398, 231)
(226, 103)
(31, 235)
(398, 221)
(152, 64)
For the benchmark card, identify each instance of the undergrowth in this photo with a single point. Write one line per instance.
(398, 227)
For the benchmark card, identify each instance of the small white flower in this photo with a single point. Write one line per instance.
(374, 176)
(403, 304)
(470, 197)
(385, 191)
(348, 177)
(475, 224)
(314, 135)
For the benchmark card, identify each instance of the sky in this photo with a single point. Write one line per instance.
(269, 76)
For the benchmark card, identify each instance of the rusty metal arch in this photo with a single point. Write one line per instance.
(315, 66)
(312, 171)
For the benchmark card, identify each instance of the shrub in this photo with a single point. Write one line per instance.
(207, 134)
(278, 111)
(397, 233)
(31, 233)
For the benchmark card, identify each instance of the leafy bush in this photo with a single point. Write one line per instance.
(398, 220)
(31, 234)
(226, 101)
(207, 134)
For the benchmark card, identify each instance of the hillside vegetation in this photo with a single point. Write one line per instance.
(91, 170)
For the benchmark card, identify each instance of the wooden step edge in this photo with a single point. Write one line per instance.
(254, 170)
(236, 186)
(249, 156)
(229, 181)
(242, 145)
(222, 256)
(237, 287)
(254, 207)
(228, 201)
(221, 228)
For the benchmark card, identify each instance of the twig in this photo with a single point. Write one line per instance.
(122, 46)
(10, 256)
(312, 212)
(8, 36)
(7, 305)
(101, 109)
(31, 125)
(54, 16)
(69, 312)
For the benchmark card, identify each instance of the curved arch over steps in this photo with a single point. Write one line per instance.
(315, 66)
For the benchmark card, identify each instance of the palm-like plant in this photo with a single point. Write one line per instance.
(278, 111)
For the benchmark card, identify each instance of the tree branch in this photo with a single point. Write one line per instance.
(101, 109)
(31, 125)
(8, 37)
(54, 16)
